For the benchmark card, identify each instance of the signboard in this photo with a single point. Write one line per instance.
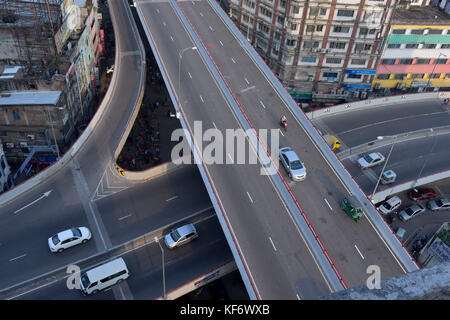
(356, 86)
(359, 71)
(417, 84)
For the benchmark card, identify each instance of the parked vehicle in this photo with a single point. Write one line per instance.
(370, 160)
(439, 204)
(390, 205)
(389, 176)
(422, 194)
(332, 141)
(411, 212)
(68, 238)
(180, 236)
(291, 162)
(104, 276)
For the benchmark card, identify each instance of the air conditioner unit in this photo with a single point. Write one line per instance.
(310, 78)
(324, 50)
(30, 136)
(23, 144)
(10, 145)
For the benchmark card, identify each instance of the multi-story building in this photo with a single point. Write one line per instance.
(33, 118)
(416, 56)
(444, 5)
(5, 171)
(319, 49)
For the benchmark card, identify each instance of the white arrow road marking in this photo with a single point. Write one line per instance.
(46, 194)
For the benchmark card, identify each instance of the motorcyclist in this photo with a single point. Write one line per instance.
(283, 121)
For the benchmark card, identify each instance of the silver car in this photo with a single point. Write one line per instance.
(411, 212)
(370, 160)
(439, 204)
(390, 205)
(180, 236)
(291, 162)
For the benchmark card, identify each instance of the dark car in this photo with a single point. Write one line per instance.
(422, 194)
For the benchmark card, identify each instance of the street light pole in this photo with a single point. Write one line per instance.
(434, 67)
(385, 163)
(426, 158)
(180, 53)
(53, 133)
(163, 269)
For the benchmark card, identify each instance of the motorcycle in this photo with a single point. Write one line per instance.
(283, 123)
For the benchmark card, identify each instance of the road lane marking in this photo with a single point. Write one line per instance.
(246, 80)
(201, 14)
(249, 88)
(210, 28)
(190, 76)
(201, 98)
(233, 60)
(45, 194)
(164, 23)
(214, 125)
(171, 38)
(281, 132)
(170, 199)
(124, 217)
(298, 297)
(248, 194)
(221, 43)
(18, 257)
(272, 244)
(262, 104)
(359, 252)
(328, 204)
(157, 10)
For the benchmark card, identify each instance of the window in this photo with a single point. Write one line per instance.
(387, 61)
(434, 31)
(294, 26)
(435, 76)
(309, 59)
(363, 31)
(412, 45)
(330, 74)
(384, 76)
(337, 45)
(319, 28)
(417, 31)
(310, 44)
(405, 61)
(345, 13)
(400, 76)
(354, 76)
(372, 31)
(291, 42)
(313, 11)
(249, 4)
(263, 28)
(445, 45)
(358, 61)
(323, 11)
(333, 60)
(340, 29)
(266, 12)
(429, 46)
(398, 31)
(3, 134)
(283, 3)
(310, 28)
(16, 115)
(277, 35)
(417, 75)
(295, 9)
(440, 61)
(362, 46)
(280, 20)
(423, 61)
(394, 46)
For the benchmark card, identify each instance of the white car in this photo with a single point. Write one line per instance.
(439, 204)
(390, 205)
(370, 160)
(411, 212)
(69, 238)
(291, 162)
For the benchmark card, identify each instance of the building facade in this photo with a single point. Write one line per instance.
(416, 55)
(318, 49)
(5, 171)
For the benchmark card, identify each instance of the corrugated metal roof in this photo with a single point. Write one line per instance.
(29, 98)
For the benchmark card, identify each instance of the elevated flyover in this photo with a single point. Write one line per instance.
(289, 240)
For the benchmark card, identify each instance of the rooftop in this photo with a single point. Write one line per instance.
(29, 98)
(421, 16)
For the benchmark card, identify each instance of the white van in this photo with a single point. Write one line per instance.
(104, 276)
